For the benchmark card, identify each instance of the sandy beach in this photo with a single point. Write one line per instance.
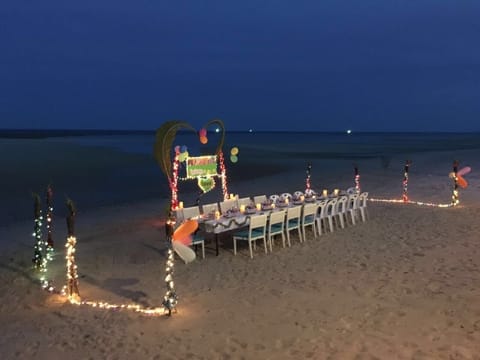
(403, 285)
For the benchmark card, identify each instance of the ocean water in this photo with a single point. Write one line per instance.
(103, 168)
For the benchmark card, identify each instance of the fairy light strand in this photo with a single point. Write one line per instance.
(357, 180)
(170, 299)
(455, 193)
(39, 260)
(49, 242)
(401, 201)
(223, 175)
(307, 180)
(405, 181)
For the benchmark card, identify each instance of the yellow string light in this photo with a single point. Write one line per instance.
(401, 201)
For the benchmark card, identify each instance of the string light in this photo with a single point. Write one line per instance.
(307, 181)
(39, 260)
(405, 181)
(223, 175)
(174, 183)
(170, 299)
(402, 201)
(455, 194)
(49, 242)
(71, 289)
(357, 180)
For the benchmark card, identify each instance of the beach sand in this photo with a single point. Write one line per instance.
(403, 285)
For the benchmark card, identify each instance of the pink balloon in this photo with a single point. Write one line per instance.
(202, 132)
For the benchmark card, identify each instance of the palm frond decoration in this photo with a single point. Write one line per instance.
(164, 139)
(222, 137)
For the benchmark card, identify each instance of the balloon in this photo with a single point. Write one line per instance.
(464, 171)
(185, 253)
(177, 149)
(461, 182)
(202, 132)
(234, 151)
(183, 156)
(203, 139)
(183, 148)
(233, 159)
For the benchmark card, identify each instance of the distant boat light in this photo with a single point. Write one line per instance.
(250, 130)
(217, 130)
(349, 131)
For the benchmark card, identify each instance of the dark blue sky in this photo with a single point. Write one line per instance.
(370, 65)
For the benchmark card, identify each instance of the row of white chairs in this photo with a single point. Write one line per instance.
(327, 214)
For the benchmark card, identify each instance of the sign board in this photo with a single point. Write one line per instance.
(201, 166)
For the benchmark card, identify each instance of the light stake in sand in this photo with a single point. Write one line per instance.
(307, 181)
(455, 196)
(170, 298)
(72, 275)
(405, 181)
(357, 180)
(39, 260)
(49, 242)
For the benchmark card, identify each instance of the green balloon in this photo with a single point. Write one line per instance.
(233, 159)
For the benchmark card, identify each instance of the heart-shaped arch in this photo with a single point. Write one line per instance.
(164, 139)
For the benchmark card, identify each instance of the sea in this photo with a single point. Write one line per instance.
(130, 173)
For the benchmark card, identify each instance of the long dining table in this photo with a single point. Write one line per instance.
(235, 220)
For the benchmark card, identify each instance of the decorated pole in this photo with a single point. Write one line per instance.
(455, 195)
(357, 179)
(307, 180)
(39, 260)
(405, 181)
(49, 242)
(170, 298)
(72, 275)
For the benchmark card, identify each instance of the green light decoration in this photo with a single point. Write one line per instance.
(38, 249)
(206, 183)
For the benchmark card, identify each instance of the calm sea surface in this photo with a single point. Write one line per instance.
(135, 175)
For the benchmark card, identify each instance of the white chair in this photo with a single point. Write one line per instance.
(179, 215)
(330, 212)
(292, 222)
(362, 205)
(285, 196)
(228, 205)
(209, 208)
(246, 201)
(276, 226)
(260, 199)
(321, 217)
(341, 210)
(352, 207)
(351, 191)
(191, 212)
(274, 198)
(308, 219)
(256, 230)
(297, 194)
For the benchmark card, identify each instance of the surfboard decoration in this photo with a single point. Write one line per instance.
(461, 182)
(464, 171)
(182, 238)
(185, 253)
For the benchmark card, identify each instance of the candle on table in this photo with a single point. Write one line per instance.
(259, 207)
(325, 193)
(180, 204)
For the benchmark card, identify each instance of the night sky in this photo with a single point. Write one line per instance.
(370, 65)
